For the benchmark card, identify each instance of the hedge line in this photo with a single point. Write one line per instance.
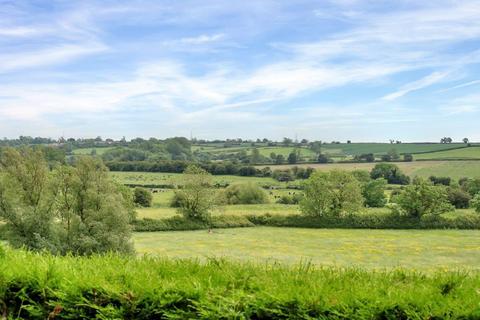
(353, 221)
(41, 286)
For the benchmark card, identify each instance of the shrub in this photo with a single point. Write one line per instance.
(407, 157)
(290, 199)
(246, 193)
(143, 197)
(422, 198)
(475, 203)
(458, 197)
(331, 193)
(323, 158)
(283, 175)
(446, 181)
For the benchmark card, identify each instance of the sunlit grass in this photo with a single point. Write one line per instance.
(422, 249)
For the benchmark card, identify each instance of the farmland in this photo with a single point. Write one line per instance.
(377, 249)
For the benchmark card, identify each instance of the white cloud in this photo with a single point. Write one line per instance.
(417, 85)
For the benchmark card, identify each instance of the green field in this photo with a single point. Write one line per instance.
(453, 169)
(336, 150)
(146, 178)
(439, 249)
(464, 153)
(88, 151)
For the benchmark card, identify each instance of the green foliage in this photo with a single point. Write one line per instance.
(390, 172)
(66, 210)
(143, 197)
(374, 193)
(422, 198)
(459, 198)
(36, 286)
(475, 203)
(331, 193)
(245, 193)
(290, 199)
(196, 198)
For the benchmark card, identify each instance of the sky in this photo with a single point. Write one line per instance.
(321, 70)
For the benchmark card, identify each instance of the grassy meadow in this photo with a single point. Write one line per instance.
(453, 169)
(373, 249)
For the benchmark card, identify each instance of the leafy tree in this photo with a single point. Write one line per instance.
(374, 193)
(421, 198)
(142, 197)
(293, 157)
(246, 193)
(407, 157)
(68, 209)
(465, 140)
(196, 198)
(280, 159)
(393, 154)
(323, 158)
(331, 193)
(390, 172)
(472, 186)
(255, 158)
(287, 141)
(283, 175)
(475, 203)
(446, 181)
(459, 198)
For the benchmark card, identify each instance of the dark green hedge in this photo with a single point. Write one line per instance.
(354, 221)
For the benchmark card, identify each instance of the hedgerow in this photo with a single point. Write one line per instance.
(42, 286)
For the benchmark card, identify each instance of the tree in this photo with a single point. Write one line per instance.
(65, 210)
(393, 154)
(196, 198)
(255, 158)
(323, 158)
(374, 193)
(407, 157)
(475, 203)
(465, 140)
(280, 159)
(459, 198)
(331, 194)
(422, 198)
(292, 157)
(142, 197)
(287, 141)
(390, 172)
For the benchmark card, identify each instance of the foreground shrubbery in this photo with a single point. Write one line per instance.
(36, 286)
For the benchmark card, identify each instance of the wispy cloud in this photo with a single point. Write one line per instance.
(424, 82)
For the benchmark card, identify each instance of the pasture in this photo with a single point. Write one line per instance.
(161, 178)
(453, 169)
(373, 249)
(463, 153)
(88, 151)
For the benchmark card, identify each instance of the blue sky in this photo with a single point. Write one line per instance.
(327, 70)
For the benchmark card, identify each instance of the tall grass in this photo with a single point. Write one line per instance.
(40, 286)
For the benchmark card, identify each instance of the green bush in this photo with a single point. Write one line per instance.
(142, 197)
(245, 193)
(422, 198)
(475, 203)
(180, 223)
(290, 199)
(459, 198)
